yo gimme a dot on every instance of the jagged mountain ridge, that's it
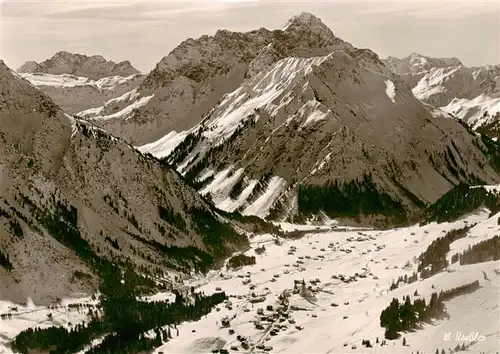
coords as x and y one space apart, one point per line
94 67
70 193
471 94
189 81
83 84
308 122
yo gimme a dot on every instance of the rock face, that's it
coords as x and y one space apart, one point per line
316 128
70 193
78 82
193 78
94 67
471 94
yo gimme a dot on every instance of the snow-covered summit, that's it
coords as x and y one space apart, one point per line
299 121
470 94
195 75
416 63
79 82
94 67
304 19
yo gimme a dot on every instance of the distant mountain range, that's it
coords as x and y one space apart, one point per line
279 122
94 67
470 94
78 82
134 188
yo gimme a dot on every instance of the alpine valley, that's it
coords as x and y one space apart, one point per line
268 191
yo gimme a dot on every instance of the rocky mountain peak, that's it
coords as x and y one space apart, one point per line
65 55
94 67
203 69
29 67
304 19
310 24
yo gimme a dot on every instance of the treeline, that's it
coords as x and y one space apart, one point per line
250 223
461 200
398 317
14 225
169 215
433 259
185 258
124 321
492 151
114 243
140 317
58 340
182 150
484 251
404 316
5 261
351 199
15 228
405 280
218 236
240 260
460 290
237 189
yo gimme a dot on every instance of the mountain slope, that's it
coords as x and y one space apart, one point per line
193 78
471 94
338 133
72 196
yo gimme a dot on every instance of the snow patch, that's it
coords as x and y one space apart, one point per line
204 175
314 111
322 164
73 124
163 147
90 112
231 205
390 90
126 97
259 93
263 204
431 82
417 60
125 113
221 185
475 112
66 80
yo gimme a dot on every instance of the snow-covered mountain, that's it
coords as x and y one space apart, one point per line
73 196
78 82
195 76
105 248
325 292
94 67
471 94
319 127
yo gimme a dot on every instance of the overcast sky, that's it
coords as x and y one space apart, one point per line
145 31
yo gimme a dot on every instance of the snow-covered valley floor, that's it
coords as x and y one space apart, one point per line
336 316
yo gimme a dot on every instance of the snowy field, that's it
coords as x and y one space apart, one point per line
334 316
67 80
68 313
315 326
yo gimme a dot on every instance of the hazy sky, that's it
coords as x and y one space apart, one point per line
145 31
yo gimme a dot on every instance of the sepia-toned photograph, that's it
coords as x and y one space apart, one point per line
249 176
